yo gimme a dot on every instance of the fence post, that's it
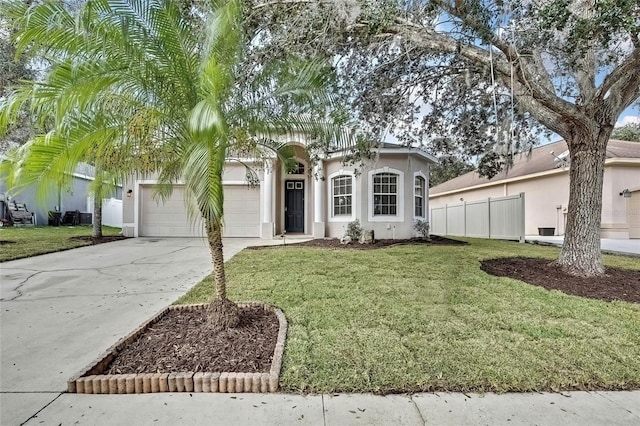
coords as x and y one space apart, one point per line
464 217
489 215
446 219
522 218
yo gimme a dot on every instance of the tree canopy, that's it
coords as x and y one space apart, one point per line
628 132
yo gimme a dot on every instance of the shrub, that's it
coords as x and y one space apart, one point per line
354 230
422 228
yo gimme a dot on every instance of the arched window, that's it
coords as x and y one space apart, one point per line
299 169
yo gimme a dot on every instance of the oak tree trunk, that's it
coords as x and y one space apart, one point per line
223 313
580 254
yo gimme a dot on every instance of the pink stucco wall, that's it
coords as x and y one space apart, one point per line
547 197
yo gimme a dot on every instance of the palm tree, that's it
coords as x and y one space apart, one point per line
136 86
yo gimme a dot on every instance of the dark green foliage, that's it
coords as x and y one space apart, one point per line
448 168
630 132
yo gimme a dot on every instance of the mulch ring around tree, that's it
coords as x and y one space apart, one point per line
334 243
617 284
181 341
93 241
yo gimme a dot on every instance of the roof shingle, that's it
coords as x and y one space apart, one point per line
538 160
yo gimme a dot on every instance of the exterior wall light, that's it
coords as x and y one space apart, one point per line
626 193
129 193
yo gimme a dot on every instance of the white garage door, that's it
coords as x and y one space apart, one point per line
169 219
241 211
634 215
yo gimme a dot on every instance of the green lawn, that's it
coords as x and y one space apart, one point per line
420 318
27 241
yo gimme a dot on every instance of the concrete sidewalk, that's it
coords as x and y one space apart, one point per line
627 247
574 408
59 311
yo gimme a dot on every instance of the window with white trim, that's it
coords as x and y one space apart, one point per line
385 194
418 196
342 195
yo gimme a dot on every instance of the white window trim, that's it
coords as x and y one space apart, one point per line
399 217
424 196
341 218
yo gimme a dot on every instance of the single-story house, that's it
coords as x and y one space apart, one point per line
386 196
543 176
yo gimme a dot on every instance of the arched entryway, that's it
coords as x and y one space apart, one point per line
294 194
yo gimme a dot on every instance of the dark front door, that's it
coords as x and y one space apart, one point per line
294 206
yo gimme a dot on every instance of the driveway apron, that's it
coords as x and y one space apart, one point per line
61 311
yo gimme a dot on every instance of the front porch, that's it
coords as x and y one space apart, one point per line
293 203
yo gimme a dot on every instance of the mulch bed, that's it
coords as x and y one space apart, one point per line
104 239
334 243
617 284
181 341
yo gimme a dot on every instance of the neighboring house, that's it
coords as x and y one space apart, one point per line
62 199
386 196
543 176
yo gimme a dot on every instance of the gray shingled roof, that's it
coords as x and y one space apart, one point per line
539 160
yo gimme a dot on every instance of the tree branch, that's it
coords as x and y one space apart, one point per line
431 40
627 68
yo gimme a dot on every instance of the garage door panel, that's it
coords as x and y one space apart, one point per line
169 218
242 211
634 215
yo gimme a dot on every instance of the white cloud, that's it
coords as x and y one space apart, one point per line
629 119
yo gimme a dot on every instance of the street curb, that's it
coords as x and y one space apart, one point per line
90 380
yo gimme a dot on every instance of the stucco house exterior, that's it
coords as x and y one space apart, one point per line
74 197
386 196
543 176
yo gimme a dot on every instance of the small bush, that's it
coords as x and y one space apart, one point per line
421 226
354 230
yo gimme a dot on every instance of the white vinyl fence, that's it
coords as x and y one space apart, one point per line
499 218
111 211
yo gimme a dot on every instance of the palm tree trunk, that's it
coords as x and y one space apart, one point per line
98 192
223 313
97 216
214 235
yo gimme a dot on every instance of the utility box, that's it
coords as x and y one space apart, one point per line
86 218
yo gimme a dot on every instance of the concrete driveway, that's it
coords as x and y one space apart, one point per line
60 311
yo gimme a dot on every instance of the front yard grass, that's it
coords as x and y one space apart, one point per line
425 318
27 241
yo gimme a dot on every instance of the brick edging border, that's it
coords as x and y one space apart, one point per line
91 380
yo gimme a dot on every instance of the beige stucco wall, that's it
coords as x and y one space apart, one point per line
615 209
400 227
391 227
547 197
